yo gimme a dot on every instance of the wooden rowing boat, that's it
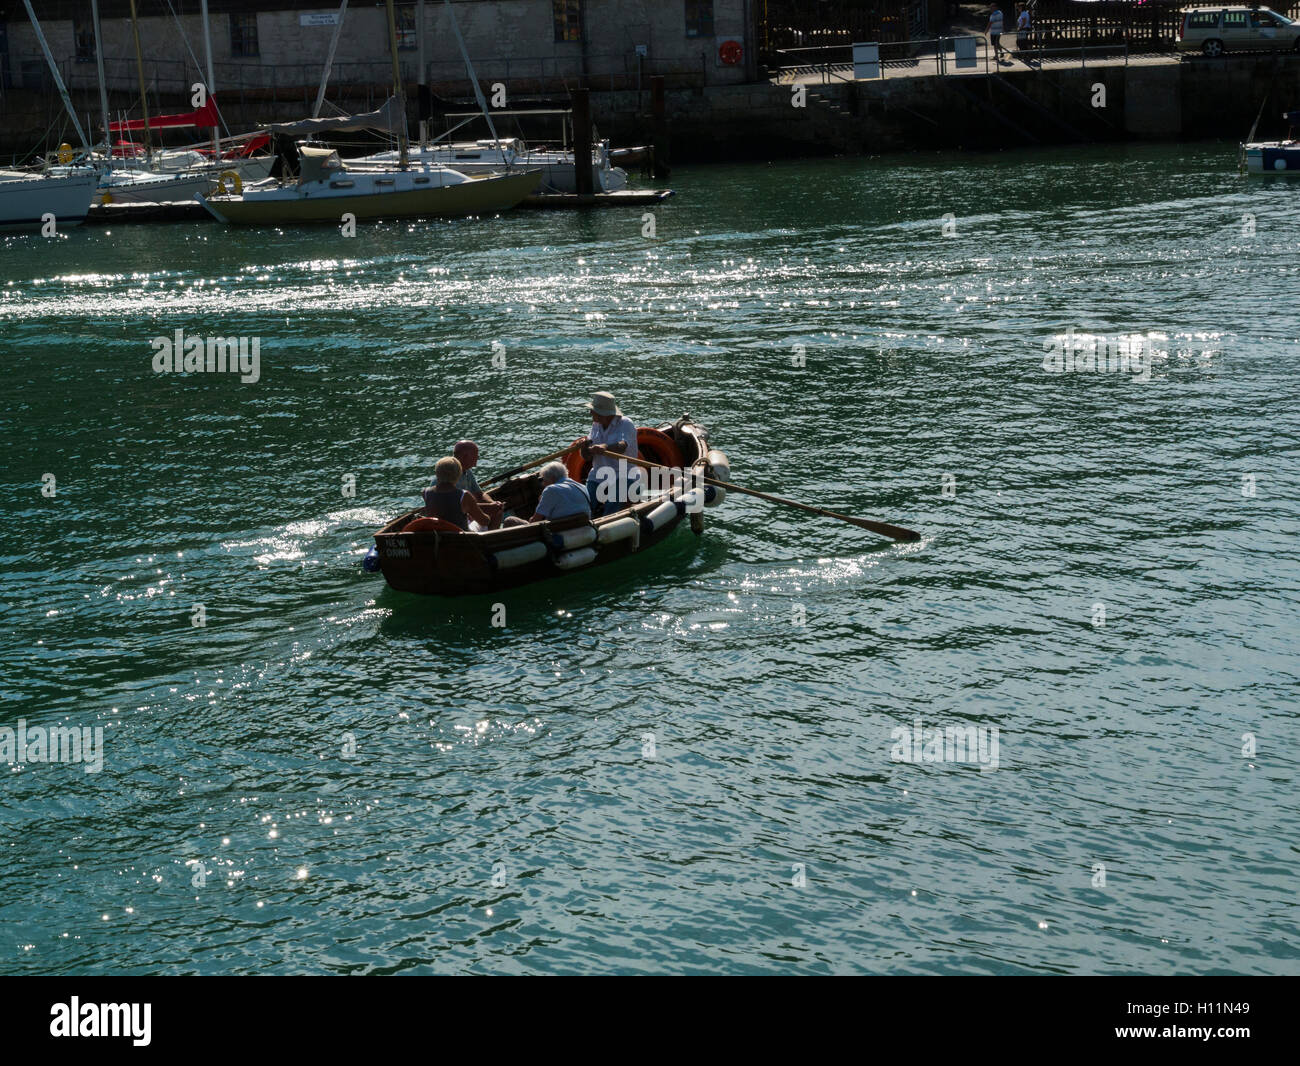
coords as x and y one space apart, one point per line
455 563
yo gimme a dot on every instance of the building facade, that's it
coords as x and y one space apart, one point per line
529 46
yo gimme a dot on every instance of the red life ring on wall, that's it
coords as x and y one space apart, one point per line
731 52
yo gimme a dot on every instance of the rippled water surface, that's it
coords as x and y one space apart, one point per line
331 777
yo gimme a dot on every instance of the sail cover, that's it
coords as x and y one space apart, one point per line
205 118
390 118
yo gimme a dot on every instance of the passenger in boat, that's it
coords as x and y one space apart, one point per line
466 453
615 432
561 497
444 500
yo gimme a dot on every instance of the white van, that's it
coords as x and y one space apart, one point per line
1215 30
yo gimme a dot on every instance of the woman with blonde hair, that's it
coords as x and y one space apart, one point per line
443 500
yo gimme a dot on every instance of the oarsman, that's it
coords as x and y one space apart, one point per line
612 483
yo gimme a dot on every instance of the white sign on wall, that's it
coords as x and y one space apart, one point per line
866 61
319 19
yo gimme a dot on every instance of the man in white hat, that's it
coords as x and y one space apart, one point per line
611 483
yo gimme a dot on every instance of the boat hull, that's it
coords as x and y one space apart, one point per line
26 201
477 196
1275 158
466 564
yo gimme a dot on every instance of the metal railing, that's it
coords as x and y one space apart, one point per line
937 56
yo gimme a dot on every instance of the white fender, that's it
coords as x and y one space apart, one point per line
661 515
620 529
574 538
717 460
693 500
519 556
573 559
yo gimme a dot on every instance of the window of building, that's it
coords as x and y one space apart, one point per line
699 18
568 19
406 36
84 32
243 35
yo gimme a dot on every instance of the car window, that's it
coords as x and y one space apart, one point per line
1203 20
1235 20
1258 18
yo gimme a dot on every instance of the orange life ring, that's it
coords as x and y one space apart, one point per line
730 52
426 524
652 445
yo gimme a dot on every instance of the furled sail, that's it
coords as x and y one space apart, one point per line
390 118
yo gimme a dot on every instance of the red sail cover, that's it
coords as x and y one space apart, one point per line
205 118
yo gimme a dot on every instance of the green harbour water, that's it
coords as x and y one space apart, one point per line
332 777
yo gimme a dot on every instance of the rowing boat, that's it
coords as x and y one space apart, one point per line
415 556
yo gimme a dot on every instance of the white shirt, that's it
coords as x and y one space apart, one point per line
620 428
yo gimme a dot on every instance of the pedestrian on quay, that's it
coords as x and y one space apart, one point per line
994 31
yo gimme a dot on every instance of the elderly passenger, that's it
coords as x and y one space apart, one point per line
466 453
561 497
444 500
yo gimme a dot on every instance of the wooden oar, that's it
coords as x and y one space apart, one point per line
535 462
884 529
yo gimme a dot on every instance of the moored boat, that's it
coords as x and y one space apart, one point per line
27 199
326 190
1275 157
416 555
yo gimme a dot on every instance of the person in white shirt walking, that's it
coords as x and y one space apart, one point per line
612 483
994 31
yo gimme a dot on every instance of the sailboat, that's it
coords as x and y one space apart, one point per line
327 189
29 200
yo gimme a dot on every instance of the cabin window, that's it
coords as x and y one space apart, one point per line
1203 20
243 36
699 18
406 35
568 19
1234 20
84 32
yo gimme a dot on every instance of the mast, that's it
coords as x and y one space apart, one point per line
58 78
139 69
473 78
422 102
212 87
329 59
402 147
103 89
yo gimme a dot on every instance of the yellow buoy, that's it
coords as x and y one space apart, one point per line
65 153
231 182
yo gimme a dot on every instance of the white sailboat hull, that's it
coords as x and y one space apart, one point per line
26 200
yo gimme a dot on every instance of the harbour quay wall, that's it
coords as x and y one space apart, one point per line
1152 100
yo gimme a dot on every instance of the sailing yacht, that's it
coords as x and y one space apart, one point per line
326 190
28 200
